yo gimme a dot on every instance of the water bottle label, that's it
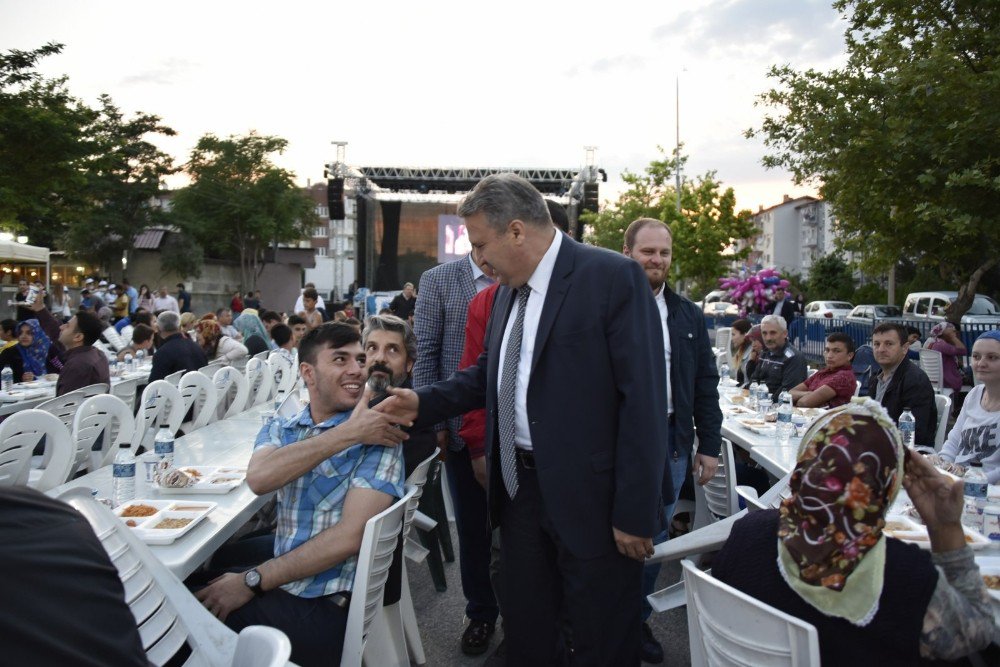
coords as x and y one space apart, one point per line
976 489
163 447
785 417
906 427
123 470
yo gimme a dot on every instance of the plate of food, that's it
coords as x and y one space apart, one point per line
201 479
160 522
907 529
989 570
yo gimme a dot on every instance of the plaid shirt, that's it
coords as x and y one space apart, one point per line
314 502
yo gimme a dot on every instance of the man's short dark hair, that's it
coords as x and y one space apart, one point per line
281 334
633 229
9 326
310 293
558 214
353 321
89 325
220 311
502 198
395 325
270 316
293 320
330 335
181 285
886 327
841 337
142 317
141 333
913 330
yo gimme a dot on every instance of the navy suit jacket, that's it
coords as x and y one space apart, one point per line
596 400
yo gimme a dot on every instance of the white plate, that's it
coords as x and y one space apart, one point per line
207 480
990 565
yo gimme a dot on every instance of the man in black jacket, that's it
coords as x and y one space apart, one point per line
692 387
782 305
902 384
177 352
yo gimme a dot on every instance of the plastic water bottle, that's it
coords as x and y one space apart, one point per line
6 378
123 476
723 374
907 427
163 447
783 427
754 389
129 363
140 357
764 403
976 485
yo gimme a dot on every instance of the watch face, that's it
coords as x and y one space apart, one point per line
252 578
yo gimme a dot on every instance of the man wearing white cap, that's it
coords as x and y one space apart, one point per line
102 290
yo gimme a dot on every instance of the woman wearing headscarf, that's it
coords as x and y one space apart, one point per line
254 334
823 557
33 355
944 338
976 434
215 344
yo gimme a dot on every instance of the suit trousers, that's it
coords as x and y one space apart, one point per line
474 537
544 584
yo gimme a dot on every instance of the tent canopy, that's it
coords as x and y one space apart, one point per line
21 252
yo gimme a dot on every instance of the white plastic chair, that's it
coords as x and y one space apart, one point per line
175 378
262 355
723 337
932 363
65 406
126 390
166 613
101 414
811 372
374 558
395 638
720 491
213 367
19 435
199 395
728 627
260 381
261 646
857 387
161 405
232 391
283 375
943 404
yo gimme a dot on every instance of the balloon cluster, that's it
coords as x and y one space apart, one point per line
753 292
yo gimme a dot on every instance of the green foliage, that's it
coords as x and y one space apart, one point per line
705 228
830 278
904 139
240 203
869 293
42 147
181 255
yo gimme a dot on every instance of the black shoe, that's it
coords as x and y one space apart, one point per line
476 638
649 649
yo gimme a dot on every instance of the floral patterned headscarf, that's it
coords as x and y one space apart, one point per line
830 543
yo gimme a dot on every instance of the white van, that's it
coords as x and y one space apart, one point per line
931 306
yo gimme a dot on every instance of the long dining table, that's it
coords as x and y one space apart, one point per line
28 395
224 443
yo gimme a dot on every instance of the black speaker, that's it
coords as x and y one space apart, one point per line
591 200
335 198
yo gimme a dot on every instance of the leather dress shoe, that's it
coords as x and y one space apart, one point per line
650 650
476 638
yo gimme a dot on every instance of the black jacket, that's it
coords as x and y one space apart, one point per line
694 378
788 310
178 353
781 370
910 388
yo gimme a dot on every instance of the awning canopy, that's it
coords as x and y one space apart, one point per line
11 251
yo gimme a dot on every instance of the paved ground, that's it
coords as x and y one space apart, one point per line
441 617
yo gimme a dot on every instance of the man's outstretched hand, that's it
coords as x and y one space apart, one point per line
401 405
375 428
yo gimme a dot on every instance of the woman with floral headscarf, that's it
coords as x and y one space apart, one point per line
254 334
33 356
944 338
823 557
215 344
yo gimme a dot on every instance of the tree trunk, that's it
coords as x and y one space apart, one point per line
967 293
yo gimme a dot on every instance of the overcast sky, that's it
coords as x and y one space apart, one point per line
441 83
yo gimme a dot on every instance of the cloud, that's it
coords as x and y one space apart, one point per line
166 74
784 30
609 64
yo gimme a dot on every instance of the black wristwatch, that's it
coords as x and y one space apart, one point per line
252 579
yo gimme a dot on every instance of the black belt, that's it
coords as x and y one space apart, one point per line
526 457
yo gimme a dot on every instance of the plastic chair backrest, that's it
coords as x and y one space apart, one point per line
723 336
261 646
166 613
932 363
20 434
260 381
857 387
198 393
65 406
720 491
213 367
161 405
282 373
943 404
126 390
728 627
175 378
377 547
865 367
232 391
262 355
101 414
416 480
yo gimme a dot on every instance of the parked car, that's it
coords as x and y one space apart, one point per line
715 304
827 309
926 306
870 313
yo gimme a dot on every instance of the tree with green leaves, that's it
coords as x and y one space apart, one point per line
830 278
43 147
904 139
239 203
124 173
703 231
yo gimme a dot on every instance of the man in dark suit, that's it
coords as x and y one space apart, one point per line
782 305
573 381
177 352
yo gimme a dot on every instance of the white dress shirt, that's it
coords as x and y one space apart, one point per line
539 284
661 304
479 279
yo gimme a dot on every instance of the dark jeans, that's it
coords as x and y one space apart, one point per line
544 583
474 537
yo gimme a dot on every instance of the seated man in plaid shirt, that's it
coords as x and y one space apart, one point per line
328 487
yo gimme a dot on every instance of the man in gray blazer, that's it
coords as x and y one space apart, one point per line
439 324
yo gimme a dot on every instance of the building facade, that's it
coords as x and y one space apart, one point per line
792 235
